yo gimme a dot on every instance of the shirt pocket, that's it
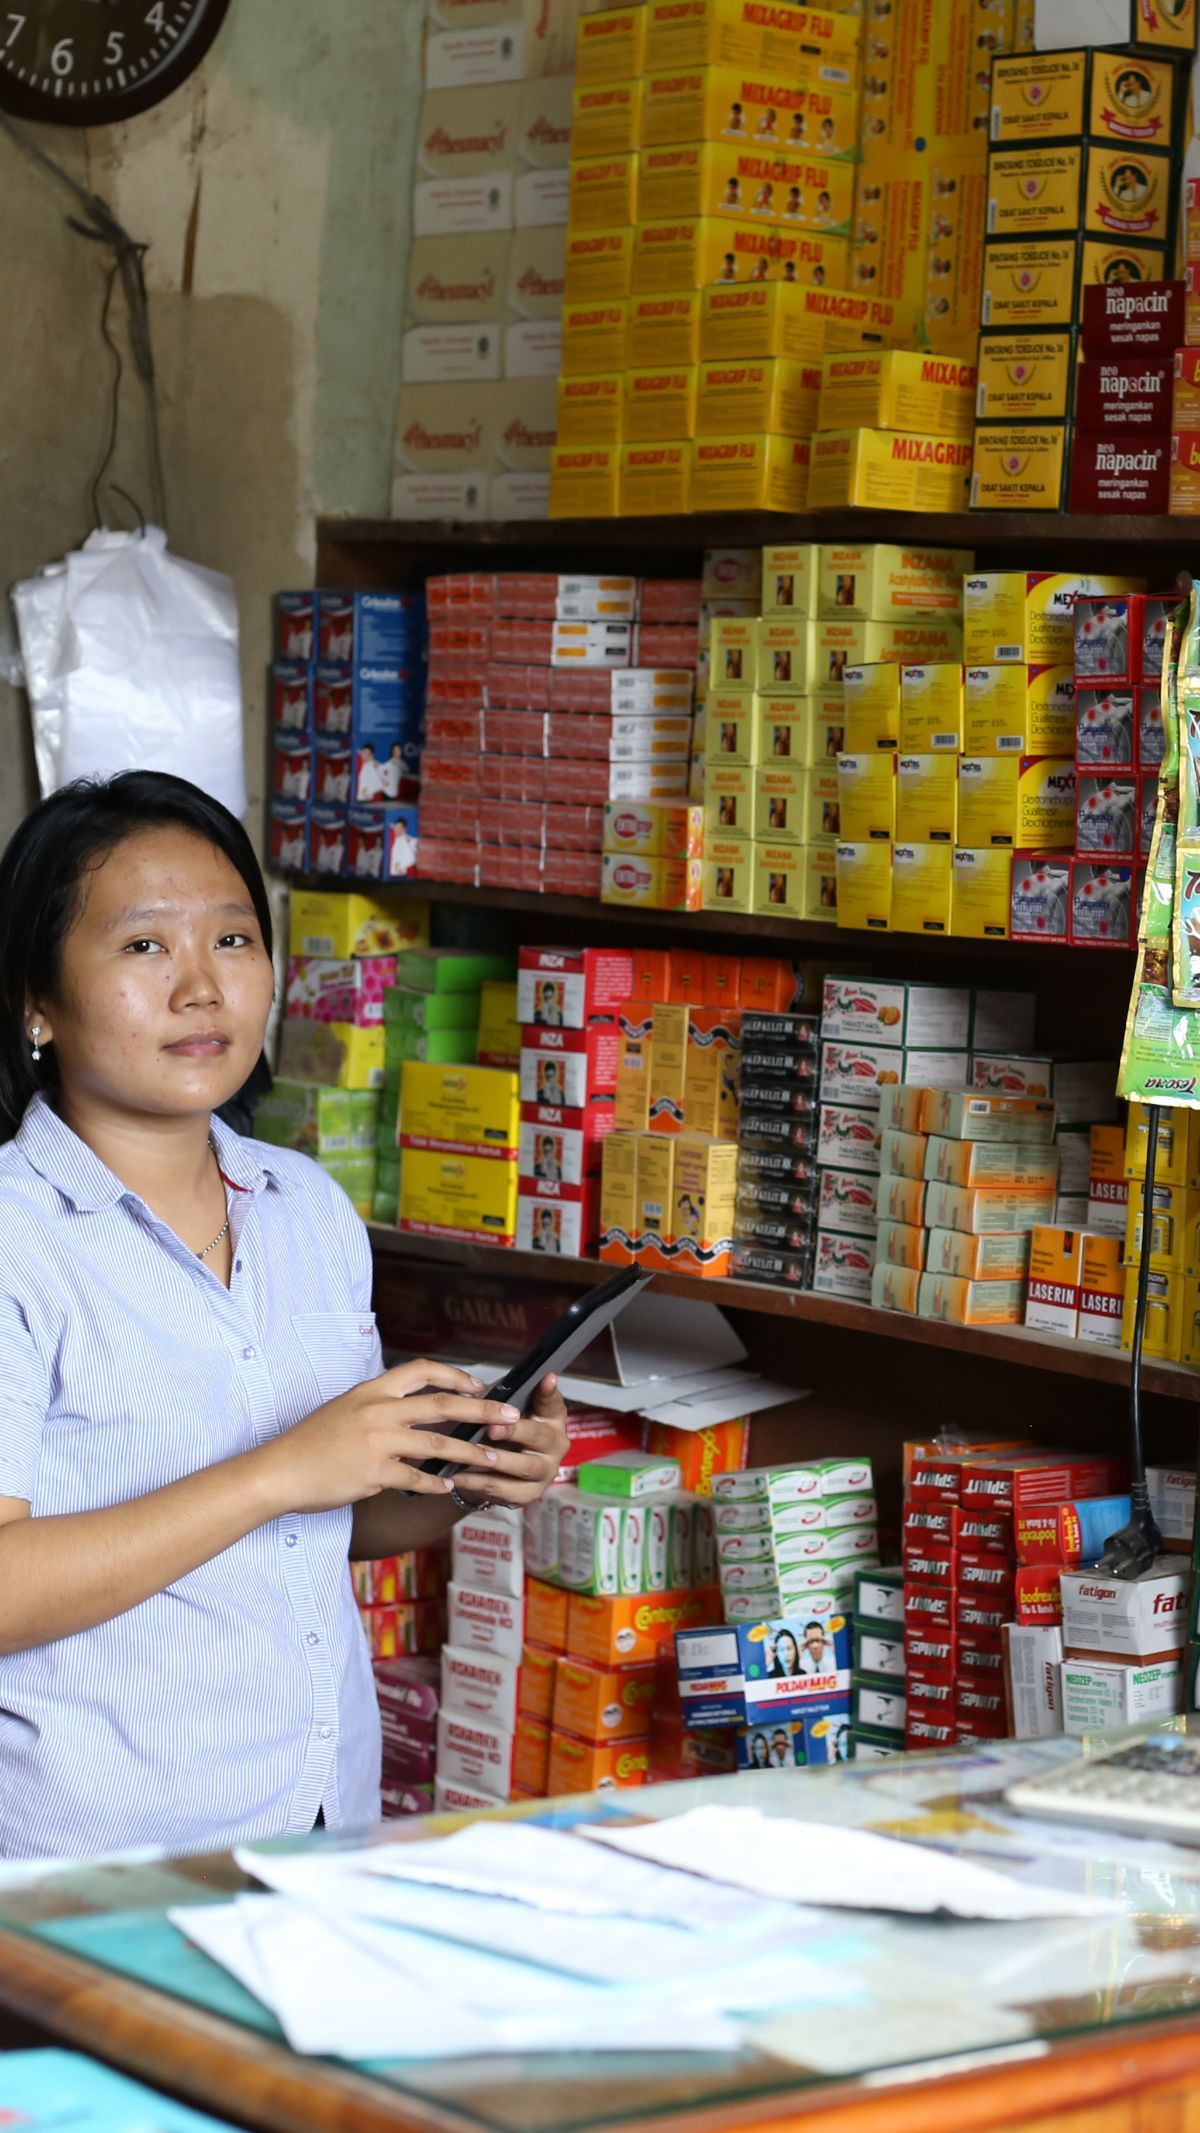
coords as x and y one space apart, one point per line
339 1347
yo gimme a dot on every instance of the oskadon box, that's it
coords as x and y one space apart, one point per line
787 1668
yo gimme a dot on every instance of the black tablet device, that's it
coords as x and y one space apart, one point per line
558 1347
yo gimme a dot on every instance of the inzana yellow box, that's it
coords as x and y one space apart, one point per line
1024 618
691 251
774 394
971 1303
598 265
603 189
889 470
1020 467
898 390
820 881
703 1203
610 46
583 484
743 33
589 409
654 479
1026 377
793 729
871 706
730 727
344 924
786 663
980 886
752 320
931 708
779 790
729 104
733 652
728 800
728 874
876 581
1025 802
659 403
443 1194
593 339
780 878
843 644
606 117
926 799
750 474
662 329
864 886
921 875
723 178
867 797
822 808
789 578
1018 710
471 1110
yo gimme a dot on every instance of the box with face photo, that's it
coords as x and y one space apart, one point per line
799 1742
787 1668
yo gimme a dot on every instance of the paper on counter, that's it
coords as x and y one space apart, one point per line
821 1863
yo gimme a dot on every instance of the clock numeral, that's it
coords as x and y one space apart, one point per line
18 23
62 58
156 16
114 50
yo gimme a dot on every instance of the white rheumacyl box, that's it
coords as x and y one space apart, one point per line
1098 1694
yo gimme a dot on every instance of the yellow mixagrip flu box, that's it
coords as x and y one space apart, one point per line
583 483
465 1196
659 403
1018 710
729 793
786 656
759 473
864 886
728 874
743 33
603 190
979 908
730 727
1026 377
866 798
789 578
593 338
898 390
693 250
590 410
889 470
820 881
598 265
611 46
871 706
737 399
662 329
606 117
1025 618
754 320
780 878
709 103
1024 802
926 799
654 479
931 708
876 581
723 178
1020 467
921 877
797 729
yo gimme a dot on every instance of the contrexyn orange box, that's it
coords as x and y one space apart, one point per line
594 1766
723 178
632 1626
598 1703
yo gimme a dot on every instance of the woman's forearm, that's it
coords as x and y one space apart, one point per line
391 1524
62 1575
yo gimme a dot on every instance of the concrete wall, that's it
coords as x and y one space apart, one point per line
273 192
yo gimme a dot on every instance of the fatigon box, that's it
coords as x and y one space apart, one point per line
786 1668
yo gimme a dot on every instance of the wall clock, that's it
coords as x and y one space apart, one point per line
96 62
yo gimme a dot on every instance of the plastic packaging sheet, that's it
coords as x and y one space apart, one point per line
131 663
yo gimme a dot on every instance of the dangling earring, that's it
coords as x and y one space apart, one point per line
35 1033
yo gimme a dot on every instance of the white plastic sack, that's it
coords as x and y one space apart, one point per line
131 663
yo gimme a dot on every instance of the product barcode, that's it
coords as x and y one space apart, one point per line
1008 651
991 218
981 403
943 740
1008 743
985 309
995 122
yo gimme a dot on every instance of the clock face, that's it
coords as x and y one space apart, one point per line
96 62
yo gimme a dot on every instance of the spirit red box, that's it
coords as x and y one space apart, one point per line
1026 1481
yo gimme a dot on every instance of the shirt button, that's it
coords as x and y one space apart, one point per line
290 1542
312 1637
237 1266
327 1733
248 1354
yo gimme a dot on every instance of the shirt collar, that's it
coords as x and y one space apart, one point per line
57 1154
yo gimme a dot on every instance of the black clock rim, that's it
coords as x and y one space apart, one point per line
112 107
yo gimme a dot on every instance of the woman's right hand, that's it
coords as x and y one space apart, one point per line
372 1438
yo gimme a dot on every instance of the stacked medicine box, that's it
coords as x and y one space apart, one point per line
775 1217
878 1682
1120 642
568 1006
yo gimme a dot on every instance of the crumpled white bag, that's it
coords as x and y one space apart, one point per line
131 663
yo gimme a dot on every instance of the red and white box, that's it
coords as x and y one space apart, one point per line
476 1685
327 839
1139 1619
291 696
485 1621
487 1552
473 1752
577 1136
289 836
564 1067
1038 1595
295 625
558 1219
568 988
1136 317
1020 1481
292 767
1102 910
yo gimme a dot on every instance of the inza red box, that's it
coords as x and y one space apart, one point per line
1143 316
570 988
562 1067
1125 393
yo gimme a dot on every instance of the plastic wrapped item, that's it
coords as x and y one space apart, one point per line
131 663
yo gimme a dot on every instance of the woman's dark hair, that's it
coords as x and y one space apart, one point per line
777 1665
42 878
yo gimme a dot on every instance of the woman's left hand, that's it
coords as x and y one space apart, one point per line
528 1453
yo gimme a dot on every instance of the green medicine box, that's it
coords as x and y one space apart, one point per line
318 1120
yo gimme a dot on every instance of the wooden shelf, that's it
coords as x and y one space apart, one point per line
1046 1352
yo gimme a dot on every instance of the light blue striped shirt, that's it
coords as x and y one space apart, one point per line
240 1700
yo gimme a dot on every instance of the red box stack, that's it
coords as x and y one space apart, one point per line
568 1003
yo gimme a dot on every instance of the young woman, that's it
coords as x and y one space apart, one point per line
196 1433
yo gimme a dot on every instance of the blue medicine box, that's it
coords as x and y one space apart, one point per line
790 1667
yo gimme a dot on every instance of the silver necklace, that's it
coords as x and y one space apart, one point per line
224 1229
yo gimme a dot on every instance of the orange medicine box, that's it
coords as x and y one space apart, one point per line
535 1683
719 1448
1102 1290
545 1615
630 1627
587 1766
1055 1272
531 1754
598 1703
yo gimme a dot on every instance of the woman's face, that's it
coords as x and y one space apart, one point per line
166 984
786 1652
